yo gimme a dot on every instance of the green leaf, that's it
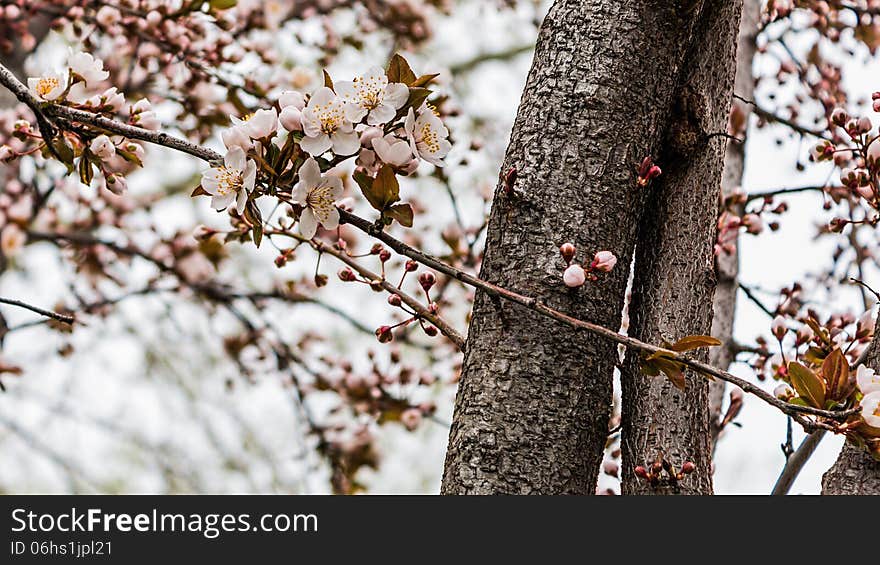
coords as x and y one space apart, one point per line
222 4
691 342
64 150
807 384
255 217
86 173
417 97
403 213
424 80
130 156
382 191
674 371
400 71
835 372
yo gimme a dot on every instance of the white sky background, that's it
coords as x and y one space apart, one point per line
110 380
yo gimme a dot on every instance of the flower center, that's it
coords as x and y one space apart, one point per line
430 138
46 85
330 115
229 181
370 91
320 201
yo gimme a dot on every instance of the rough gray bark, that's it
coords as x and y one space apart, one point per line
727 266
674 276
531 413
855 471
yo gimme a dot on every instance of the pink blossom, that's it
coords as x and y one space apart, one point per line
604 261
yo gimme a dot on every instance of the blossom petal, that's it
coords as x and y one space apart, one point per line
381 114
346 143
308 224
316 145
396 94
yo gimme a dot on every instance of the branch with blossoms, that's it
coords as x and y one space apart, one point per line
382 121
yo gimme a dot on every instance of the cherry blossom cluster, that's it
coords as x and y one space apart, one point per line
575 275
381 120
193 48
813 365
81 86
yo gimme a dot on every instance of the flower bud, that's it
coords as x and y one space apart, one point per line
394 300
116 184
346 275
839 117
384 335
604 261
411 266
427 280
567 250
783 392
430 330
574 276
641 472
688 468
384 255
778 327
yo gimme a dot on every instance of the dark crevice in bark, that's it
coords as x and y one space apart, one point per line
674 274
532 408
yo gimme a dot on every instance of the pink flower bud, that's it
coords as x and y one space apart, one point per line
839 117
783 392
688 468
864 124
346 275
116 184
574 276
753 224
383 334
411 418
291 118
394 300
427 280
604 261
804 335
411 266
641 472
778 327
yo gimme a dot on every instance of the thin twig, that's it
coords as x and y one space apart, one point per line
370 228
796 462
47 313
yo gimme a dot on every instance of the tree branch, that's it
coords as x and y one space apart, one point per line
796 412
47 313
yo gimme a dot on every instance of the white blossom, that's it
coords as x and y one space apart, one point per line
867 379
230 182
871 409
49 87
372 96
318 194
90 69
326 127
393 151
102 147
427 135
258 125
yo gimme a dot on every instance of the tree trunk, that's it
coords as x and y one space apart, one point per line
855 471
727 265
674 276
531 413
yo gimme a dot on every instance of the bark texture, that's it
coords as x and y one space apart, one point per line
727 266
855 471
531 413
674 276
